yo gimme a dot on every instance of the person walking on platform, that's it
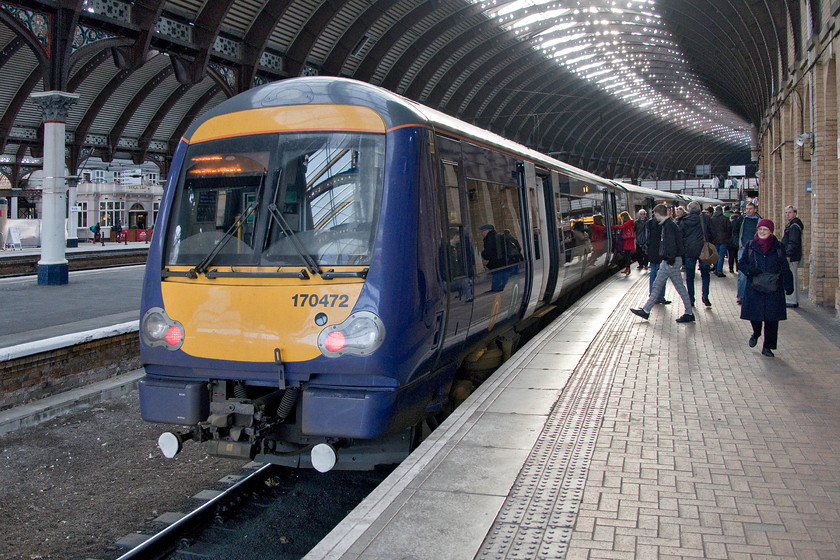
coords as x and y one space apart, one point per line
671 250
627 238
792 240
768 275
721 232
696 229
653 231
118 229
641 239
732 248
749 223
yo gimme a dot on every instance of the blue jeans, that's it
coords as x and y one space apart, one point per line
690 268
721 249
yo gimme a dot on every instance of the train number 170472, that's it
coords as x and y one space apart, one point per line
312 300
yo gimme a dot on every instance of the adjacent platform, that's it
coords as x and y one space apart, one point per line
608 436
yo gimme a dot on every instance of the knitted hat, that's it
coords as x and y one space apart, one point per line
765 222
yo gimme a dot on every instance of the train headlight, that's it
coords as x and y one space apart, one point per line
360 334
157 329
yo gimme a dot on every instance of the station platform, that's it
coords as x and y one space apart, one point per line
608 436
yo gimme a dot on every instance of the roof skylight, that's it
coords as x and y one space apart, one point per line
623 47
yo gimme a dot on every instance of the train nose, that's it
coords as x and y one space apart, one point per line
323 457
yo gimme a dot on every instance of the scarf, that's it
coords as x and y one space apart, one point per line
764 244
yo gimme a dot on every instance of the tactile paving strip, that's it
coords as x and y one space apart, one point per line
538 517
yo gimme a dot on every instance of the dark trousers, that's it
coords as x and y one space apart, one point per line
733 258
642 257
771 332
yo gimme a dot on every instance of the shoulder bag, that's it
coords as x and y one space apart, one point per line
709 254
765 282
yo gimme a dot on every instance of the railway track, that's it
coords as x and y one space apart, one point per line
276 512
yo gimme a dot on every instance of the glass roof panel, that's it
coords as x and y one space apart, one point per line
623 47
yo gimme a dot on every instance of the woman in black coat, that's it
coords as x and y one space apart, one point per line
765 253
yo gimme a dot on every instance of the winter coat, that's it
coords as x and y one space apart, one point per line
735 231
641 232
748 229
671 242
627 244
721 229
792 240
692 233
758 306
653 231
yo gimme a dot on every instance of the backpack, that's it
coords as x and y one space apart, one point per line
513 251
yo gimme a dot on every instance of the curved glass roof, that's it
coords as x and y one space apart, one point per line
625 49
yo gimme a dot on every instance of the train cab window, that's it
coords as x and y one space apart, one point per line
217 196
258 200
329 194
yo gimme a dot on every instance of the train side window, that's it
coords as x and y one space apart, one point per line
492 204
455 225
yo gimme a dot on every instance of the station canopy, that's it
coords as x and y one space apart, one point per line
626 88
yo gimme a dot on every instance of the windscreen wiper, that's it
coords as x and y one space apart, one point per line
202 266
288 232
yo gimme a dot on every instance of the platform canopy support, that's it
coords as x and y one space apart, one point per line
53 268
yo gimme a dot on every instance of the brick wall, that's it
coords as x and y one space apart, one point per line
26 379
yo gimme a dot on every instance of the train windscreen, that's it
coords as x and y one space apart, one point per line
278 200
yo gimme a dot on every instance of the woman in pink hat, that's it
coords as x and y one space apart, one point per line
768 279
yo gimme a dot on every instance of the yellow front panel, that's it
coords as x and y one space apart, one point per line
247 319
309 118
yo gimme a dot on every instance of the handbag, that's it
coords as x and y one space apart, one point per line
766 282
708 254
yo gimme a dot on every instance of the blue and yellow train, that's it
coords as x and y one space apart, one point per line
328 258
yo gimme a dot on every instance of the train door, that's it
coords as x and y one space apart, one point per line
618 204
460 282
556 244
534 183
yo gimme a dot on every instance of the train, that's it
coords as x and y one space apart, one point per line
331 260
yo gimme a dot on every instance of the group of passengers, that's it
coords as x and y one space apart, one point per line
671 243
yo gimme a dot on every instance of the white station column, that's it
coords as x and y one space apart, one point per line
52 268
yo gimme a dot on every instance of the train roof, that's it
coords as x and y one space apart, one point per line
653 193
702 199
396 111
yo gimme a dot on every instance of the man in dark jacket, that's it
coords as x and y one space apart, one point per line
749 225
792 242
653 231
734 231
695 234
641 239
671 250
721 232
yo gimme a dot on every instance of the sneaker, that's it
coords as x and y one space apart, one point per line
706 302
664 301
767 352
739 301
753 341
686 319
641 313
